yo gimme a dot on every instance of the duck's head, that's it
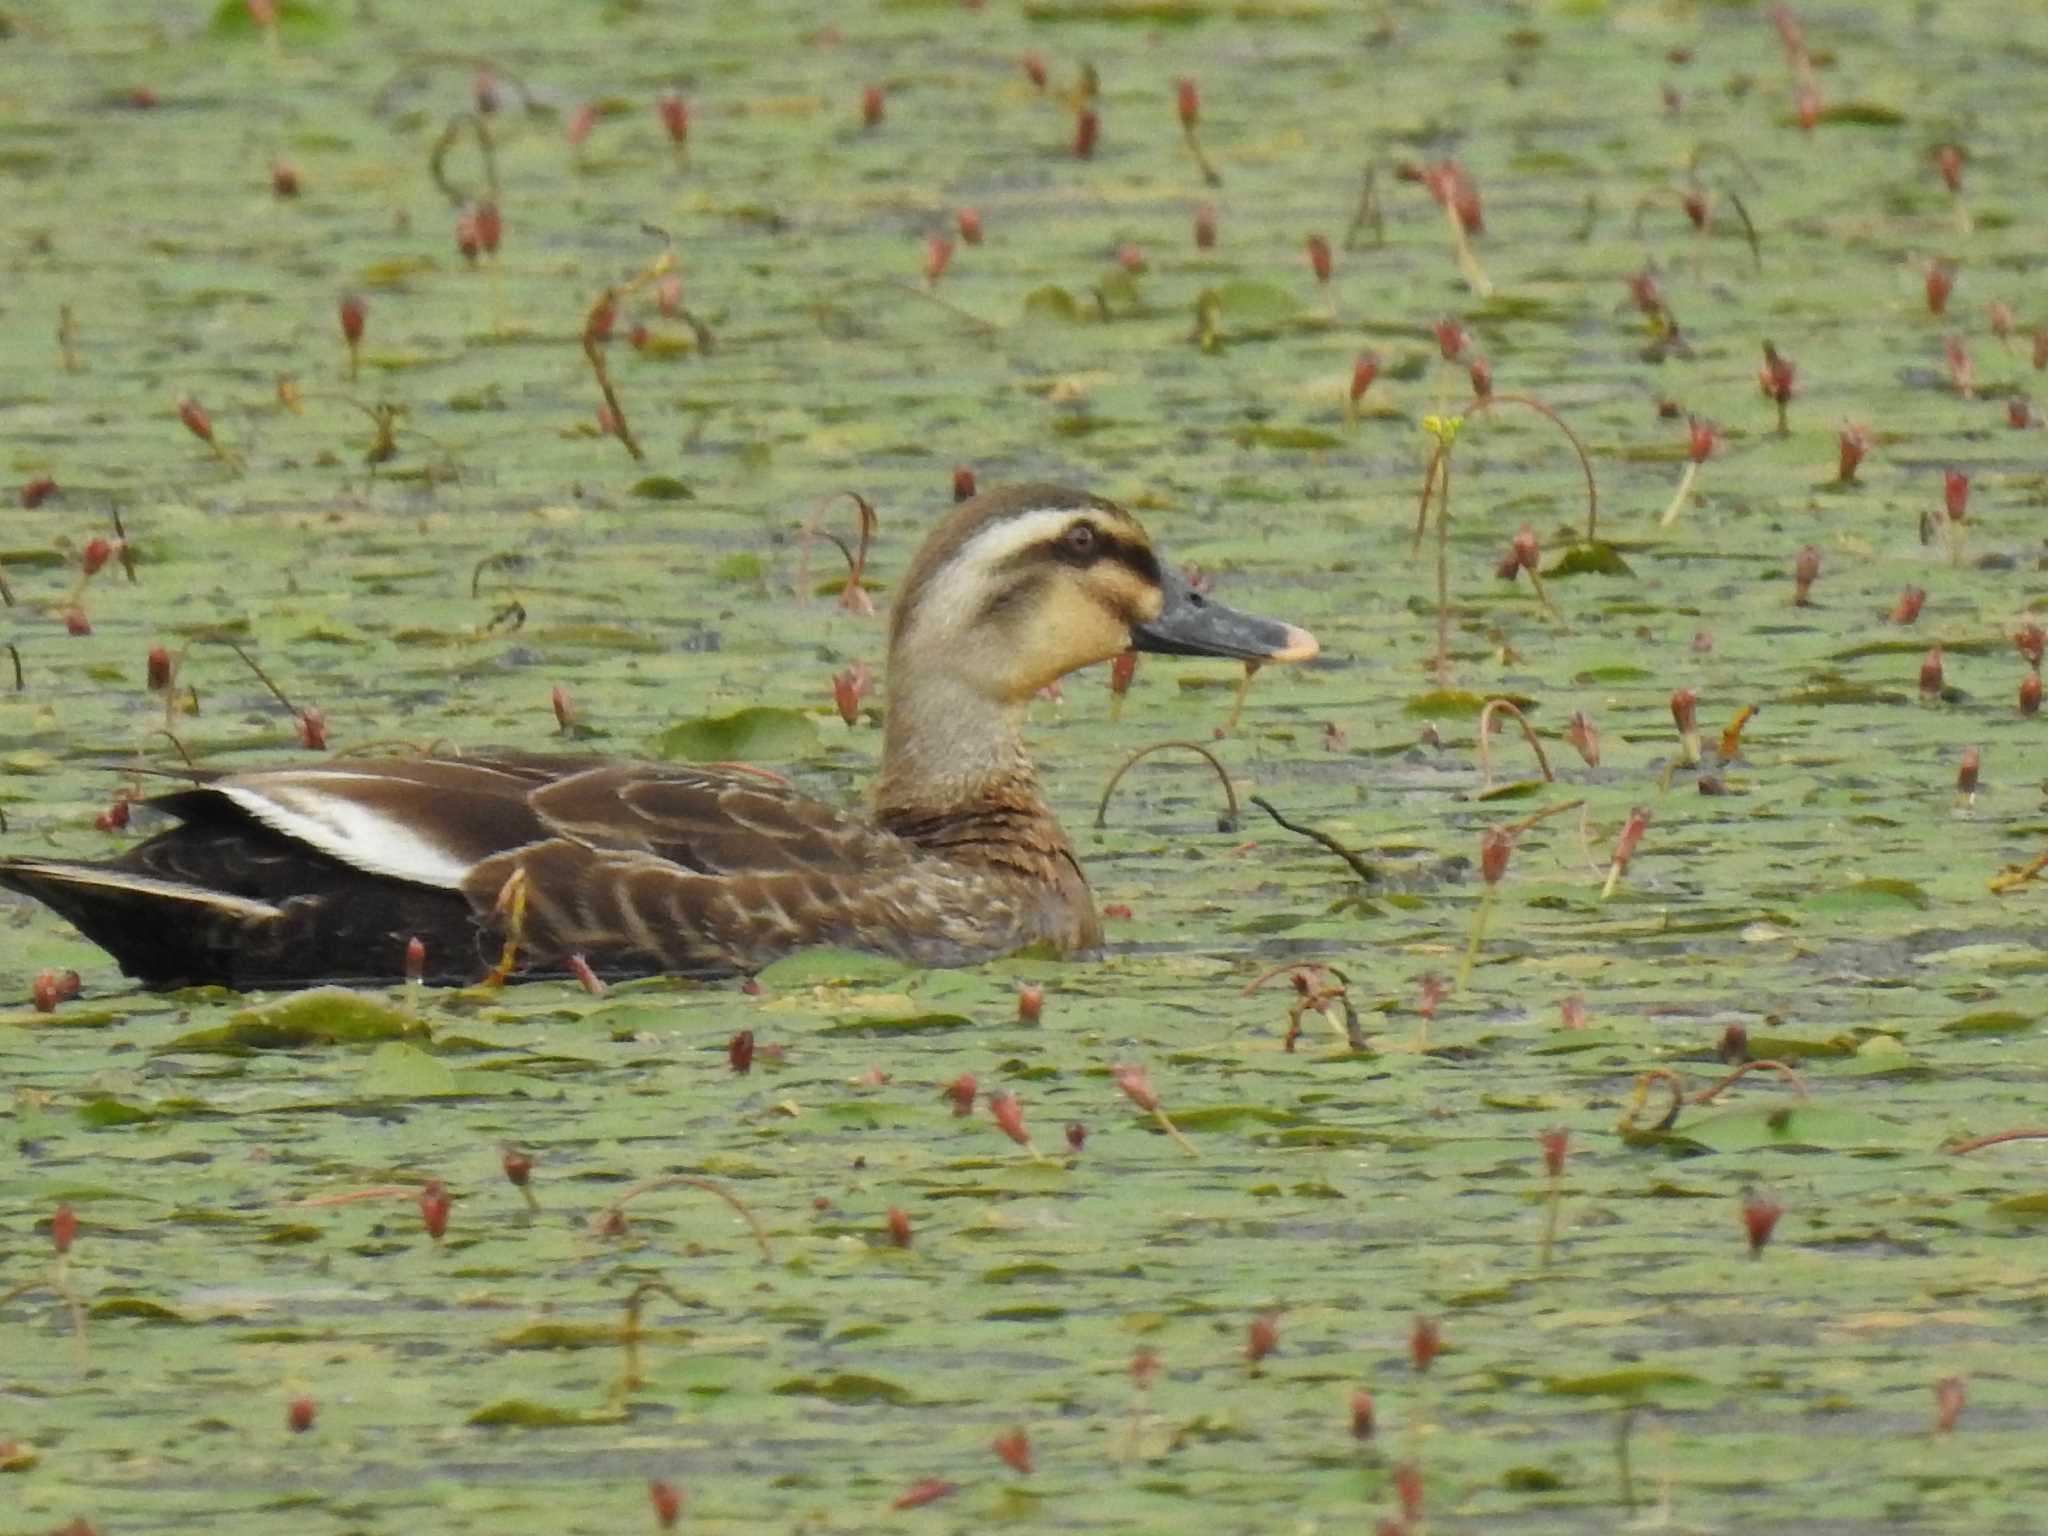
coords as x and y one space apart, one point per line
1019 586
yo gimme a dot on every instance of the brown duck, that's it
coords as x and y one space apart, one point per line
325 872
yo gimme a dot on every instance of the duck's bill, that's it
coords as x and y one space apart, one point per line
1191 624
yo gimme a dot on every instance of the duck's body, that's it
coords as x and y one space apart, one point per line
329 871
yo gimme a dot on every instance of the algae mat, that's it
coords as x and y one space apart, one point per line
425 545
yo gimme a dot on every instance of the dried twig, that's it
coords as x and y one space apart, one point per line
1359 867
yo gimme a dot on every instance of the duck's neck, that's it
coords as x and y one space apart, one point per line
949 751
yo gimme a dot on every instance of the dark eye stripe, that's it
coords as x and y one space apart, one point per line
1133 556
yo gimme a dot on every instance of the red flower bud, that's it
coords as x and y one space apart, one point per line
1205 227
97 552
467 240
1907 609
674 113
1966 772
1135 1086
1077 1135
1760 1215
1806 107
1955 494
1631 837
1777 376
415 958
970 226
434 1206
2031 640
63 1227
1481 372
1451 337
1122 669
1429 993
1425 1343
517 1164
298 1416
2030 694
1696 207
564 707
284 181
1961 371
1948 1403
1261 1337
928 1491
352 313
1643 292
1700 438
1805 571
938 254
667 1500
1494 847
312 730
1361 1414
961 1094
1852 443
1319 257
1015 1449
44 994
1940 279
1584 737
1930 674
157 675
586 978
483 90
849 685
1948 161
1734 1046
38 491
1034 70
114 818
1571 1012
2019 413
1555 1146
197 422
1086 126
1030 1002
1684 711
1009 1117
739 1052
489 227
1363 372
899 1228
75 621
581 121
1187 102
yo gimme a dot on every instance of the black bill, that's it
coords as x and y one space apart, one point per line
1191 624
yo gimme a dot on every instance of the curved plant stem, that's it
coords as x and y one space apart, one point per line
1359 867
1578 447
1791 1075
616 1210
1672 1081
1229 789
1486 731
1995 1139
2019 874
856 562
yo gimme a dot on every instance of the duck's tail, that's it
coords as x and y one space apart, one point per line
160 931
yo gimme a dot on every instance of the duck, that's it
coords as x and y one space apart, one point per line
512 864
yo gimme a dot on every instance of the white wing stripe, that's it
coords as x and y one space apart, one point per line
359 835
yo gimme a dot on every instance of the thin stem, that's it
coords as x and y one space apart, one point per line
1486 732
616 1209
1229 789
1692 472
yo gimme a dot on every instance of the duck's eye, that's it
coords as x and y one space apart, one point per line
1079 539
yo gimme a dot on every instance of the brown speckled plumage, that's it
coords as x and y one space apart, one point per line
329 870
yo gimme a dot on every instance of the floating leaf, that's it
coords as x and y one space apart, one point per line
321 1016
746 735
1880 893
849 1387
